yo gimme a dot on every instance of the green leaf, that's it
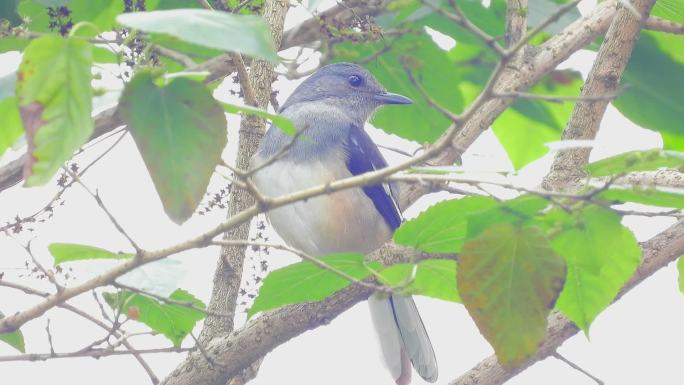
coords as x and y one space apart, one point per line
540 10
509 279
54 93
13 44
8 11
636 161
517 211
11 123
14 339
175 322
69 252
102 13
601 255
489 19
672 10
653 99
248 34
429 64
181 143
680 267
434 278
526 127
103 55
53 3
283 123
307 282
442 227
644 195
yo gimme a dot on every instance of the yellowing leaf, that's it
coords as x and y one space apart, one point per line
54 93
509 279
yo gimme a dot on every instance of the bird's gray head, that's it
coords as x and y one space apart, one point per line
348 87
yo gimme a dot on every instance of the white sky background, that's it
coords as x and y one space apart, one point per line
635 341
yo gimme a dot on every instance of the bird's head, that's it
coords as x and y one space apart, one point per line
348 87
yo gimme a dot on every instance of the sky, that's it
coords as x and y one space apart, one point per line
634 341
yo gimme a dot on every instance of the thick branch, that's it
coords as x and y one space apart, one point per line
567 169
516 21
228 274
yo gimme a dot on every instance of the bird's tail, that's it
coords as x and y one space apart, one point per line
403 338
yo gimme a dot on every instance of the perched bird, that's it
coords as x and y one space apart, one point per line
332 106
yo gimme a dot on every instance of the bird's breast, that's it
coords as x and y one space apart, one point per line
343 221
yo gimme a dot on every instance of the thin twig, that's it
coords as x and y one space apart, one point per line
278 154
95 353
655 23
577 367
204 353
536 30
243 77
428 98
169 301
459 18
49 337
81 313
555 98
111 217
174 55
316 261
50 275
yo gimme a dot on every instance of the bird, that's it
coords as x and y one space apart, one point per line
330 110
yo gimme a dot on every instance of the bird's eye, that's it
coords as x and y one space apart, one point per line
355 80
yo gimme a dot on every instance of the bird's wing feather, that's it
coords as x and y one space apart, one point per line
414 337
364 156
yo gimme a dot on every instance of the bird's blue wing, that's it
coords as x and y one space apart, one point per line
364 156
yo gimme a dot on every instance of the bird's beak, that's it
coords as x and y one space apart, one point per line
390 98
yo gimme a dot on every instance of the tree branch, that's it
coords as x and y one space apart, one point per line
516 21
567 169
77 311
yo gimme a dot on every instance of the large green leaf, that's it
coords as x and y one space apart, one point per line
54 93
13 44
509 279
434 278
636 161
307 282
101 13
175 322
220 30
69 252
181 142
653 99
528 125
669 9
430 66
442 227
644 195
11 123
14 339
601 255
8 11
